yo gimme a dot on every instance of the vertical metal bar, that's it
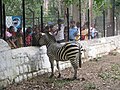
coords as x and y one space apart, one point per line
80 63
38 21
1 18
58 21
80 18
23 6
33 14
116 31
33 19
4 22
41 18
68 22
104 23
88 25
113 8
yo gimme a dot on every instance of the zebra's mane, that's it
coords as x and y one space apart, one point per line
51 37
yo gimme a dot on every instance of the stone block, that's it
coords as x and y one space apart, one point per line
25 68
20 77
29 75
28 68
21 69
17 70
2 76
17 80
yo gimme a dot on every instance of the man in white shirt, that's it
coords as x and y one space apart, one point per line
93 32
60 32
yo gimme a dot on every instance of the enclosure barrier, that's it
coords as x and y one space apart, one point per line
27 62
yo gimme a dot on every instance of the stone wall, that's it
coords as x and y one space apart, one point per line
23 63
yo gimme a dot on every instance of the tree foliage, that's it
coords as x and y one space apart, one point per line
14 7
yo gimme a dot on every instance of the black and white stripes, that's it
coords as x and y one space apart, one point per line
60 52
68 51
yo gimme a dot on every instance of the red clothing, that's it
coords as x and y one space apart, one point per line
14 34
83 37
28 40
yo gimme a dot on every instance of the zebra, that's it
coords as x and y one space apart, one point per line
59 52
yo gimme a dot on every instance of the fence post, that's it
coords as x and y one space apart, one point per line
38 21
4 20
113 8
88 24
1 18
58 21
80 63
23 6
80 17
68 22
33 16
104 22
41 18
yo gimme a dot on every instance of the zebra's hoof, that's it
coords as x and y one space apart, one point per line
83 79
59 76
51 76
75 78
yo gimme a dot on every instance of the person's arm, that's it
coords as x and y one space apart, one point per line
76 32
12 43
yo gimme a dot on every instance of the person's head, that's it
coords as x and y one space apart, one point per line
55 27
19 30
28 30
60 21
52 28
78 24
11 29
72 23
93 25
85 25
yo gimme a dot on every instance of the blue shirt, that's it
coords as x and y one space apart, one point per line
73 33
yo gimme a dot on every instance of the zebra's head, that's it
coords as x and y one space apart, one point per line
44 39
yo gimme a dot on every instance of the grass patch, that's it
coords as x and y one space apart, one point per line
104 75
55 82
115 71
61 83
90 86
115 67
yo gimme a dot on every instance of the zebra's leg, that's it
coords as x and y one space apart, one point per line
75 66
58 69
52 67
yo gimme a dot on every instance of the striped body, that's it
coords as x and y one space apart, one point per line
63 52
60 52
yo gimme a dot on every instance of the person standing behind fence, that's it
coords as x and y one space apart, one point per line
19 36
65 34
93 32
28 37
36 30
9 39
78 28
12 31
60 31
73 32
84 32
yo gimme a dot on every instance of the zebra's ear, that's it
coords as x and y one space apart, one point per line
50 36
42 33
48 33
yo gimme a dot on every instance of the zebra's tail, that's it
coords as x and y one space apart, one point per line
80 61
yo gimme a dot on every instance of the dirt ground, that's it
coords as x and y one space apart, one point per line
100 74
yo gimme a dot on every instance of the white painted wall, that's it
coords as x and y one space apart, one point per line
23 63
